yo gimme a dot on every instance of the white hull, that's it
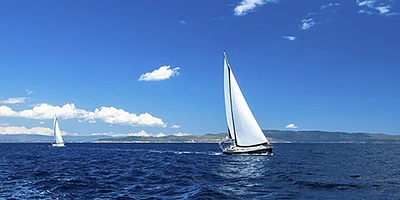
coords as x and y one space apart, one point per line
58 145
248 150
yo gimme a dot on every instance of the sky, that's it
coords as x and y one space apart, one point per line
155 67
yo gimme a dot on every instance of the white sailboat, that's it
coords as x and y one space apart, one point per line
58 140
244 133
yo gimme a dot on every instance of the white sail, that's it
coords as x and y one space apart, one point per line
227 96
240 119
57 132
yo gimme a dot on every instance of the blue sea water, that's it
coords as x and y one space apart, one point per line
198 171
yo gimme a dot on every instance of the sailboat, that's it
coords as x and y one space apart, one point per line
58 140
244 134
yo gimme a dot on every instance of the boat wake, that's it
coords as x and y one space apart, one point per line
211 153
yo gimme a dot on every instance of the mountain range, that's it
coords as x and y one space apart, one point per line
275 136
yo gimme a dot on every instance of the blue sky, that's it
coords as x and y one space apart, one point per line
155 67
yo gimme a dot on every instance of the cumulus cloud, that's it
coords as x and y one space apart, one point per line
379 7
109 115
291 126
246 6
16 100
113 115
141 133
160 135
289 37
163 73
181 134
23 130
6 111
175 126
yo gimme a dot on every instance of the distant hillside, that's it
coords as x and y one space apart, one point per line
207 138
327 137
275 136
24 138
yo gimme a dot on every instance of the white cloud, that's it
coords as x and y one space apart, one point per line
47 111
111 134
365 12
181 134
41 122
183 22
16 100
363 3
109 115
290 37
160 135
383 9
23 130
246 6
307 23
379 7
324 14
29 92
113 115
6 111
141 133
331 7
392 14
163 73
291 126
103 133
175 126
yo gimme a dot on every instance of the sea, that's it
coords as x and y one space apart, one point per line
198 171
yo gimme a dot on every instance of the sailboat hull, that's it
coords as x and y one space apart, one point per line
58 145
261 149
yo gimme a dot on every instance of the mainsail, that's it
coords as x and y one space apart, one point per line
57 132
242 126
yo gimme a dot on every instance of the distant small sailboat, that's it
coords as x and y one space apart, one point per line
58 140
244 134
